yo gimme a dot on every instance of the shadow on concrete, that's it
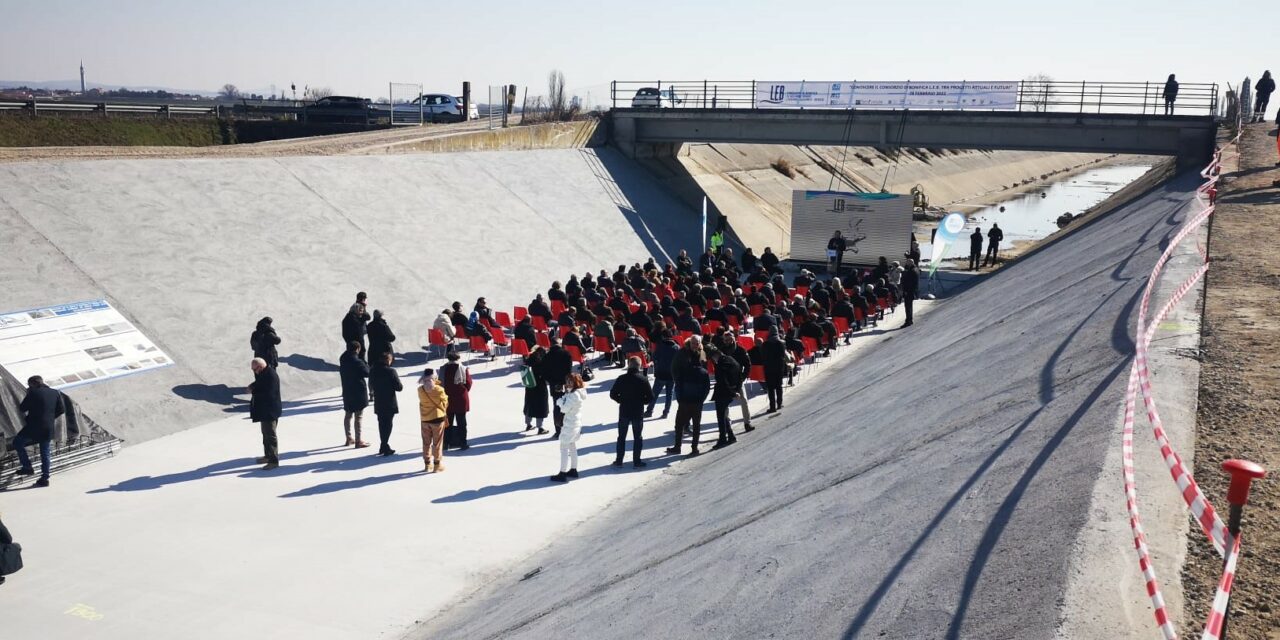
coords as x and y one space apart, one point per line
509 440
228 467
212 393
309 363
544 482
663 223
334 487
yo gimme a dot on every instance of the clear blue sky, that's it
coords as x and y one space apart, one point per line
358 47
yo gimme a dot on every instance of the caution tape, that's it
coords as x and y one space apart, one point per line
1140 384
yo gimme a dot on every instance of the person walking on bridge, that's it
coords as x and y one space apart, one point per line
1170 94
265 409
994 236
975 248
40 408
1265 87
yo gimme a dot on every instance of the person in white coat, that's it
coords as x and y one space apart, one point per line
570 405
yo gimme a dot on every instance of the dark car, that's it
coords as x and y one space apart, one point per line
346 109
342 102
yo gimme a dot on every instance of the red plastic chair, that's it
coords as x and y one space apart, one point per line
885 304
503 319
557 308
501 339
810 346
539 323
644 358
601 344
643 333
802 291
747 342
684 336
543 340
519 348
710 327
711 368
479 344
697 312
521 313
575 354
435 338
858 315
757 310
763 334
757 373
842 325
619 335
735 323
564 331
460 332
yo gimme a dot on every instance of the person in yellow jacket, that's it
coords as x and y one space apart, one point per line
433 406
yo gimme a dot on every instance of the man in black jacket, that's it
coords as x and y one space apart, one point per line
774 357
355 326
691 392
384 382
994 236
41 407
729 346
556 367
265 409
728 380
632 393
664 355
910 287
355 391
836 247
975 248
263 341
380 337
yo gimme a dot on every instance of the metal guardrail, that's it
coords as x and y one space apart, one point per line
36 107
1035 96
62 458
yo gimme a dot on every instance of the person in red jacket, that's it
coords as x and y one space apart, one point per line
457 385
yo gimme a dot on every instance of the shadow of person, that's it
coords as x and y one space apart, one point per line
213 393
309 363
227 467
343 485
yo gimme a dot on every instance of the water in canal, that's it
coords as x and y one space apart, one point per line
1034 214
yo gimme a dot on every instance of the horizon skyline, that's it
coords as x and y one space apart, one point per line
521 46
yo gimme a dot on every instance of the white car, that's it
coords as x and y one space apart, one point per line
441 107
647 98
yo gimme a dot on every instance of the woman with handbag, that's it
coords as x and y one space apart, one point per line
433 407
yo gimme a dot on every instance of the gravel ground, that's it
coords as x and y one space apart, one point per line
1239 380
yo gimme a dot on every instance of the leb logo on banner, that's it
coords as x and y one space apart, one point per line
777 92
838 205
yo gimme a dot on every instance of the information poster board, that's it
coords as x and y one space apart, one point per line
74 344
873 225
791 94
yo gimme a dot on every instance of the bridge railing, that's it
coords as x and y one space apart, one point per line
1146 97
36 107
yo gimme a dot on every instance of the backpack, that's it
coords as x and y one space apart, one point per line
587 374
527 378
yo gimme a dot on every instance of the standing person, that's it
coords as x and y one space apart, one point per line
632 392
770 261
663 356
556 367
384 383
570 405
975 248
1170 94
774 355
994 236
730 346
1264 89
355 326
717 238
836 247
41 407
728 381
914 252
433 411
265 408
910 287
264 341
380 337
534 380
457 385
355 391
693 389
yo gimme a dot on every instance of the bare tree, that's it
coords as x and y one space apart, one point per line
1037 90
229 91
556 101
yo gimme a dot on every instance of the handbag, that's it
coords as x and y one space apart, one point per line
10 558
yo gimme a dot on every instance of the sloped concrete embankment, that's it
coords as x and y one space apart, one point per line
195 251
932 487
750 185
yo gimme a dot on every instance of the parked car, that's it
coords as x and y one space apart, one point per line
652 98
345 109
441 107
343 102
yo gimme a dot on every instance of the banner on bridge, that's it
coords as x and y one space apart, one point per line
873 225
785 94
74 344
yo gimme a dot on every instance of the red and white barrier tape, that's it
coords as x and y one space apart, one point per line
1140 382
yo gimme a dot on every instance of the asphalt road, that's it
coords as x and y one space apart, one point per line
933 490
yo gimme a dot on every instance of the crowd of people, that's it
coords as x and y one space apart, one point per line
702 330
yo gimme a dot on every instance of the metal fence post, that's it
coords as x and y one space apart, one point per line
1082 82
704 94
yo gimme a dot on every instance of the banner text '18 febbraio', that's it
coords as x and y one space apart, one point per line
75 344
791 94
873 225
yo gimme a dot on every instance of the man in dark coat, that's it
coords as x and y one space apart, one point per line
380 337
691 392
769 260
556 368
910 287
265 409
264 341
384 382
836 247
975 248
994 236
774 356
354 328
355 392
41 407
664 354
729 345
632 393
728 380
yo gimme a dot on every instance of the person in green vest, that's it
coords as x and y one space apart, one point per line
717 237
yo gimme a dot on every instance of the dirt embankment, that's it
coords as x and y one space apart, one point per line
1239 402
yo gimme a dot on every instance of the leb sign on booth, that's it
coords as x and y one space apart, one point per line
873 225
